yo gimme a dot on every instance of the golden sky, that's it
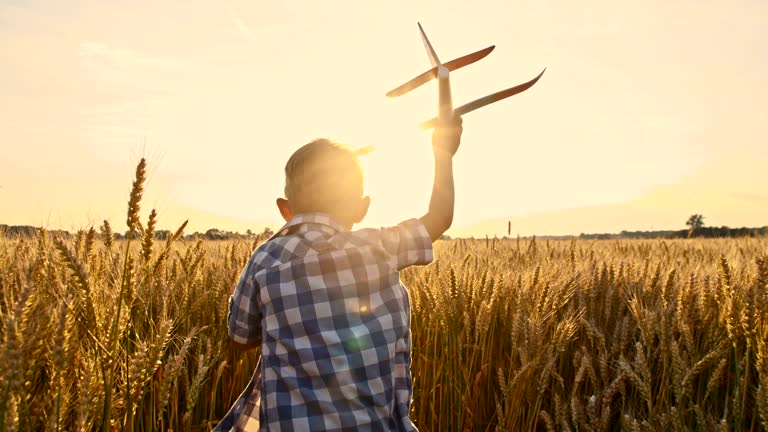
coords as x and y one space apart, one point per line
648 112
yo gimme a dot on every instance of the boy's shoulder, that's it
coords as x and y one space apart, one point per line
301 245
279 250
407 243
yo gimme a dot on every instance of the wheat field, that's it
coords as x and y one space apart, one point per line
637 335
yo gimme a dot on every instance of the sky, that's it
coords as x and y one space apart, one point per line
647 113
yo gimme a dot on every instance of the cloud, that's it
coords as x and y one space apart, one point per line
240 25
119 57
751 198
126 76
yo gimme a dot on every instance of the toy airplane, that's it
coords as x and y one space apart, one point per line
441 71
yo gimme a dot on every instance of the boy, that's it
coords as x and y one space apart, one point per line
326 305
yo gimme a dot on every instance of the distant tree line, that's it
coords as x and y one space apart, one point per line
26 231
162 235
703 232
696 228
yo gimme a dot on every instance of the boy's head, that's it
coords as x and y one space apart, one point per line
324 177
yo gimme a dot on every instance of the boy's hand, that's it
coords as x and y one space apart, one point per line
446 137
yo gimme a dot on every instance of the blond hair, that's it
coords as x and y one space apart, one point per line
323 176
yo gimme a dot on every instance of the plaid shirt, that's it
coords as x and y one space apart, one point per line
333 320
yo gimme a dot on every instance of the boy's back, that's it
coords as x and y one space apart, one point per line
325 304
336 347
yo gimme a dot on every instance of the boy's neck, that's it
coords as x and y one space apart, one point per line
344 222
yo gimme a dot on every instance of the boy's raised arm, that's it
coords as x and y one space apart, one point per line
445 141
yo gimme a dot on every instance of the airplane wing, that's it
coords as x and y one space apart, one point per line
487 100
432 73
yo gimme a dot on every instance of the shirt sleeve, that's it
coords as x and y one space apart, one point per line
244 318
408 242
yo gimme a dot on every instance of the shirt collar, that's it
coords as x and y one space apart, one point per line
311 218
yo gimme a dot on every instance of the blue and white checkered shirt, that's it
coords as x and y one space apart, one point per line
333 320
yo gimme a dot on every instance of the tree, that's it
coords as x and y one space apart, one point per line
215 234
162 234
696 221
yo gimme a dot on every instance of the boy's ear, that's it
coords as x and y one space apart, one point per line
365 203
285 209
